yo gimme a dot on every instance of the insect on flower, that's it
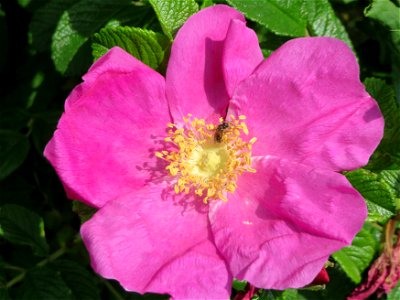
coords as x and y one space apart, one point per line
220 131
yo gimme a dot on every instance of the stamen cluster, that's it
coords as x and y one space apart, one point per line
202 164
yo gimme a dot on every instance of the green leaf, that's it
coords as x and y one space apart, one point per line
384 95
292 294
22 226
388 153
44 22
288 294
44 283
322 21
392 178
294 18
84 211
173 13
78 280
395 293
266 52
380 200
282 17
344 1
206 3
14 148
388 14
70 47
356 258
24 3
141 43
135 16
270 295
4 295
239 285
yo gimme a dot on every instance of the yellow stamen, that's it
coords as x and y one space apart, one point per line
207 166
245 130
253 140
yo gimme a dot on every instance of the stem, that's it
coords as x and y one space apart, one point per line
16 279
52 257
15 268
390 228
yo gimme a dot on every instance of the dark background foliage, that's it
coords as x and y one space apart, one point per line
45 48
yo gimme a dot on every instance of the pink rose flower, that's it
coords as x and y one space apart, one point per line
185 206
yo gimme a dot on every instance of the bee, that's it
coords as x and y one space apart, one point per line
220 131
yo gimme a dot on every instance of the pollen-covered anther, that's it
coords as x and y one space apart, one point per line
207 159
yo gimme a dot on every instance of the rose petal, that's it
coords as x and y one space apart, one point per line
150 242
282 223
241 54
305 103
195 81
105 141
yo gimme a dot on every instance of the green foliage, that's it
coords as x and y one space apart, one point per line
14 148
173 13
79 281
392 178
83 211
22 226
206 3
395 293
356 258
44 283
387 13
322 21
281 17
239 285
294 18
143 44
289 294
45 20
381 202
388 152
70 41
4 294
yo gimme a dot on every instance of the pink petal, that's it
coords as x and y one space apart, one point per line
241 54
105 141
283 222
195 80
305 103
150 242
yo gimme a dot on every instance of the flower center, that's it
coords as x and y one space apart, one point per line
207 159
